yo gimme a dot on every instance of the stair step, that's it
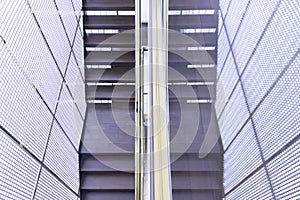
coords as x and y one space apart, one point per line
196 180
192 162
108 57
120 40
107 194
180 72
197 194
184 92
192 57
110 92
105 163
188 57
115 74
126 39
108 5
107 181
176 75
190 92
193 4
192 21
109 22
129 4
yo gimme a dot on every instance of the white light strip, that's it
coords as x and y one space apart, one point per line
99 84
101 31
198 30
98 48
201 66
182 83
126 13
200 83
110 84
124 84
191 12
127 49
101 13
211 48
174 12
198 12
110 13
192 83
194 101
98 66
100 101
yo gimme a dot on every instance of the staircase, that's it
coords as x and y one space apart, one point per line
107 149
193 178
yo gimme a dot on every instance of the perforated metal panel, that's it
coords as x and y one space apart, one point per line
284 173
240 162
49 17
50 188
228 77
28 48
78 51
21 107
273 53
256 187
37 159
76 85
224 4
260 153
61 157
251 30
233 117
236 11
68 16
69 117
223 50
18 170
277 119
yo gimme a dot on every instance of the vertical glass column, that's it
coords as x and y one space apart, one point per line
159 100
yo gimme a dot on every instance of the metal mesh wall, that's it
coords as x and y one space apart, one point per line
42 99
258 98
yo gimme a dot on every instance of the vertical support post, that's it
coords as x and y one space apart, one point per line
139 105
159 98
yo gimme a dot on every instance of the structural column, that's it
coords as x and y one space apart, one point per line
159 100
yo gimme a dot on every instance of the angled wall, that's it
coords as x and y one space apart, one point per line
258 98
42 98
